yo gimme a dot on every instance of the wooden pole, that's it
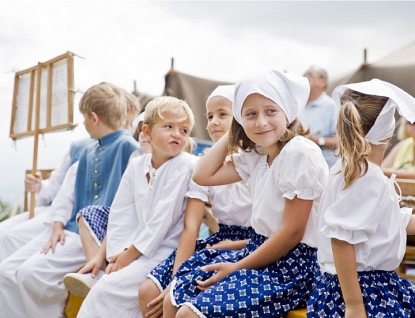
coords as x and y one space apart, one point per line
36 136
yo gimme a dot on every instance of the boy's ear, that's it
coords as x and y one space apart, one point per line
146 132
95 118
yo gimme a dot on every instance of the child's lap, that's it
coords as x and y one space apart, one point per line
383 293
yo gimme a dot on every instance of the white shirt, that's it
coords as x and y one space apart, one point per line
299 170
367 215
62 205
51 186
231 203
149 215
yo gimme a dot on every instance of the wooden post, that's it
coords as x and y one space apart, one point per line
36 136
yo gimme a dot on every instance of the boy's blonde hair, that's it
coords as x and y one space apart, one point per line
133 104
108 102
357 115
159 105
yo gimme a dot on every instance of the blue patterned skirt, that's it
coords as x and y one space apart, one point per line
268 292
385 294
96 220
162 274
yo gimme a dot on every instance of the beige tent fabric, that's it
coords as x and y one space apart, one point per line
397 68
194 91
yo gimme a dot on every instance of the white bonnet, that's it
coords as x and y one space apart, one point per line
226 91
137 120
289 91
384 125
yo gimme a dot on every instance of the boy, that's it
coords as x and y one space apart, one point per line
19 230
146 217
32 281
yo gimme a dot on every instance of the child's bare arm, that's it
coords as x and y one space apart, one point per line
212 169
345 262
192 221
410 229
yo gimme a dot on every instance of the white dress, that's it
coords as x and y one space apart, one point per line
299 170
367 215
149 215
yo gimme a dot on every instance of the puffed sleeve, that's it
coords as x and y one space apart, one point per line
197 191
302 170
244 163
357 210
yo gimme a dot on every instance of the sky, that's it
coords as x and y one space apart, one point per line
123 42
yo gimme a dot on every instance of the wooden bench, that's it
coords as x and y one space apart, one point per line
297 313
408 200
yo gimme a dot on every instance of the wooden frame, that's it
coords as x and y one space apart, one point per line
37 87
43 102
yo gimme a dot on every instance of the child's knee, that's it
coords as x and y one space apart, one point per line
185 312
148 290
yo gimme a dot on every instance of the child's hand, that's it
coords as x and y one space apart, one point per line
33 183
93 266
123 259
222 270
58 235
156 304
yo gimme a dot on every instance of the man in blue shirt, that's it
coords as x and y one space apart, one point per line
320 114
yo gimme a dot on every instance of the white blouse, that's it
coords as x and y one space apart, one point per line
231 203
367 215
149 214
299 170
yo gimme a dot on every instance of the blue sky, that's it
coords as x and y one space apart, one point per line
126 41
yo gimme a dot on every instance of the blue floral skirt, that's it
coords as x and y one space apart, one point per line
385 294
96 220
267 292
162 274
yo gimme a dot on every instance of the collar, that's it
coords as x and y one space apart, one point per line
317 102
110 138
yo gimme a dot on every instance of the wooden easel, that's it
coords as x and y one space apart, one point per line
23 114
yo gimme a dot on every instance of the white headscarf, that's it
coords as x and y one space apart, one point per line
384 125
289 91
226 91
137 120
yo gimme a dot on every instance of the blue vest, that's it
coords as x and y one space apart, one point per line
78 146
101 166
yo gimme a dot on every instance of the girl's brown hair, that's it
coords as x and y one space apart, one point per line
239 140
357 115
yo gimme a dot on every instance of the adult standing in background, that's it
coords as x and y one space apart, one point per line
320 114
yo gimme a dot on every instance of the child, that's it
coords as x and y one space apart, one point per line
146 217
32 281
19 230
231 205
278 267
362 231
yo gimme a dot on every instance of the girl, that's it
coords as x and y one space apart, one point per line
231 205
278 267
362 231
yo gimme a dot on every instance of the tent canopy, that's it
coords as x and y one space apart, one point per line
194 91
397 68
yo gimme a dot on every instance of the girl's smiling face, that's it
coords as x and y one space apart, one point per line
219 116
264 122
